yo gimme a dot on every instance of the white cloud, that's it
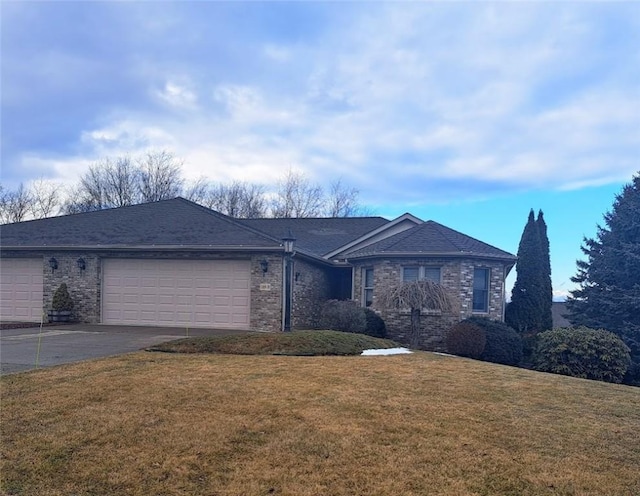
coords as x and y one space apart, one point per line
177 95
516 95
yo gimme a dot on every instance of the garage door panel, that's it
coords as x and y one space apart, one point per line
199 293
21 289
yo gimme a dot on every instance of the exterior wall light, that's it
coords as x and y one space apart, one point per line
287 241
264 265
81 264
53 263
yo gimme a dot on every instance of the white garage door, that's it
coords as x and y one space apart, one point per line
194 293
21 282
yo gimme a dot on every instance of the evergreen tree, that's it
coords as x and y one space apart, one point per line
530 309
609 293
524 313
546 318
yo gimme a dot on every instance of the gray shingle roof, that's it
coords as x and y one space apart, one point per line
318 236
431 238
176 222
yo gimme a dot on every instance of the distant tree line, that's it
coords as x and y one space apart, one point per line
124 180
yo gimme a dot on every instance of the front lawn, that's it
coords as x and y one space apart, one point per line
298 343
419 424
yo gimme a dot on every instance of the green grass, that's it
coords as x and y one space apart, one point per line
298 343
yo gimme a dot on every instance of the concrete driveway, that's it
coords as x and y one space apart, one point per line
76 342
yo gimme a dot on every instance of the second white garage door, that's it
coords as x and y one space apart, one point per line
194 293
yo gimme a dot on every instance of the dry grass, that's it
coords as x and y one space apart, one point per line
298 343
422 424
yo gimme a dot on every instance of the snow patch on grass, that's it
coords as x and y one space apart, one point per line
386 351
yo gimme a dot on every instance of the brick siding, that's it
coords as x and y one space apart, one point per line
456 276
311 287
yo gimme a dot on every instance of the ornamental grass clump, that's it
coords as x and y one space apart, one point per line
582 352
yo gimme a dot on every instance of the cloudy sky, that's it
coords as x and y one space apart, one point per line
465 113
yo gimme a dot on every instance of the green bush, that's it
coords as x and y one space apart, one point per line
503 345
348 316
61 299
466 339
582 352
343 315
375 325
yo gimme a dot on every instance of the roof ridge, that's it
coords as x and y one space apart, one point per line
311 218
227 218
86 212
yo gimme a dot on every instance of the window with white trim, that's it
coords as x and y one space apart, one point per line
481 290
416 273
367 287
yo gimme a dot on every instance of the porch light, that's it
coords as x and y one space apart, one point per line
53 263
287 241
264 265
81 264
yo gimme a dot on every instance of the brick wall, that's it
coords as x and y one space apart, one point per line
266 293
456 275
311 287
83 285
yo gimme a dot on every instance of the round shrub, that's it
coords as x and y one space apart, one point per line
466 339
375 325
342 315
503 345
582 352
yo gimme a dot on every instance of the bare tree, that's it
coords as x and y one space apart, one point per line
15 205
198 191
45 198
416 296
239 199
296 196
122 181
342 201
108 183
160 176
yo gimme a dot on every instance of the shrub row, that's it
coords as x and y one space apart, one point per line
488 340
578 352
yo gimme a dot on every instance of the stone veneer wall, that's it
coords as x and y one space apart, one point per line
85 286
310 289
456 275
266 301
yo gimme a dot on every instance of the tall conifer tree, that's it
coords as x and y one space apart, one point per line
546 297
609 293
524 313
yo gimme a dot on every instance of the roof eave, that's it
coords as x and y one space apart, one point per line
504 258
142 248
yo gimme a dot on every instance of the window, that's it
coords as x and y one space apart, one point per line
367 287
481 290
421 273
